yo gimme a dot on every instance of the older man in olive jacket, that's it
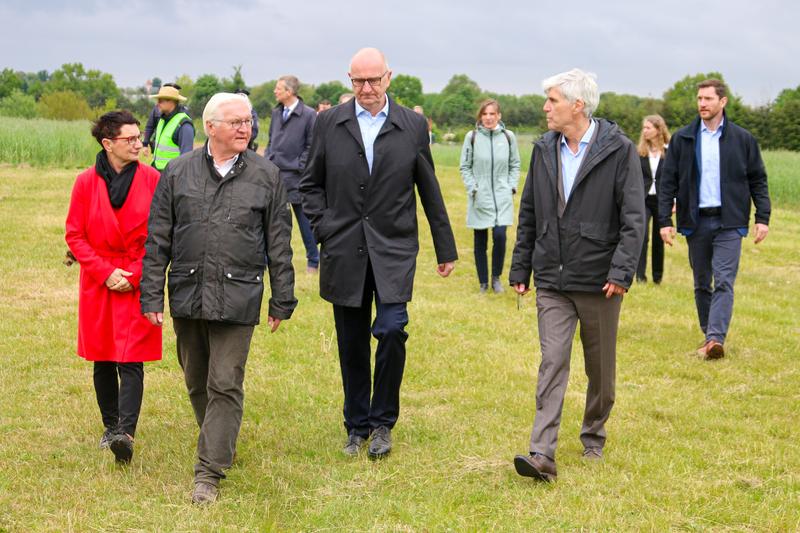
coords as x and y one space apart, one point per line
218 218
368 157
581 227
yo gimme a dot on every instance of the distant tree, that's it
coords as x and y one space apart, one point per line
157 83
628 111
407 90
187 85
205 87
18 104
330 91
95 86
457 102
785 120
64 105
236 82
10 81
262 98
306 92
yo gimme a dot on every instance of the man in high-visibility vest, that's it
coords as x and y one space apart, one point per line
174 132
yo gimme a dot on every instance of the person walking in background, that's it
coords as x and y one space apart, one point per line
368 157
581 227
490 170
218 219
653 143
174 130
152 120
323 105
290 133
712 171
105 230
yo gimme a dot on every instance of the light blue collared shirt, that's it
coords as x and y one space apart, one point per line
570 163
710 195
370 127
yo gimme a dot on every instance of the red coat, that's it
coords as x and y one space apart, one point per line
110 324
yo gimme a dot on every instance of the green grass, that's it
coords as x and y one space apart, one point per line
692 445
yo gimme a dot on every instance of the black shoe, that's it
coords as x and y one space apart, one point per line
105 440
122 447
381 443
593 453
484 287
354 444
204 493
497 286
536 466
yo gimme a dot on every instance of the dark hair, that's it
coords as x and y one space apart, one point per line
242 90
326 102
109 125
172 85
719 86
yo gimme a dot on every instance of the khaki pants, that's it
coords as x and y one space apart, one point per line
558 315
213 356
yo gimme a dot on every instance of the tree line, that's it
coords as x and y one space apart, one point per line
73 92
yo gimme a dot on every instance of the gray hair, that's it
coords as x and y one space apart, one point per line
291 83
576 85
215 102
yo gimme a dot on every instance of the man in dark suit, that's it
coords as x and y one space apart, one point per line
713 169
367 157
580 232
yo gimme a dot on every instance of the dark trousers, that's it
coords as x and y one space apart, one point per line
119 388
361 415
213 357
714 253
558 314
498 252
312 253
651 212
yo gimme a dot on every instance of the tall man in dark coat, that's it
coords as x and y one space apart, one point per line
367 157
713 169
290 133
581 227
218 218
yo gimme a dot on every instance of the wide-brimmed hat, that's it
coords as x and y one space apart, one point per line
168 93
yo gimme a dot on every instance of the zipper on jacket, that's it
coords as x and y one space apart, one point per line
494 196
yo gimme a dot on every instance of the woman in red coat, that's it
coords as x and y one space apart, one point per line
106 230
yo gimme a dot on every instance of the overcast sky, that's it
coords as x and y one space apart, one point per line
506 46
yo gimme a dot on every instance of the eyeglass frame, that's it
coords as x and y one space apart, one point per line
373 82
231 123
135 138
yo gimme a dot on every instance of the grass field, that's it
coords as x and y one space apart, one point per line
692 445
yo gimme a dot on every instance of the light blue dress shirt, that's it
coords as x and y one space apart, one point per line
370 127
570 163
710 195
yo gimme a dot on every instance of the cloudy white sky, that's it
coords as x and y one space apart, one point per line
506 46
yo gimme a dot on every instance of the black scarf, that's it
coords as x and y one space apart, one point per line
118 184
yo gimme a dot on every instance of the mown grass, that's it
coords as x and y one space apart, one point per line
692 445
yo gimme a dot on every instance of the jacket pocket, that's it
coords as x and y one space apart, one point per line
182 286
247 204
596 248
242 290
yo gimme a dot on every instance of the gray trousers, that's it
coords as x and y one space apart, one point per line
213 356
714 251
558 315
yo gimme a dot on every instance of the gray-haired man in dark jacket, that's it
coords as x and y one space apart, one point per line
218 218
581 227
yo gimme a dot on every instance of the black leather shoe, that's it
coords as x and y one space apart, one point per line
381 443
122 447
353 445
536 466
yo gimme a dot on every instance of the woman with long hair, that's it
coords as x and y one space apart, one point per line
653 143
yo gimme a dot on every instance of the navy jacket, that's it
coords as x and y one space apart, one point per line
742 177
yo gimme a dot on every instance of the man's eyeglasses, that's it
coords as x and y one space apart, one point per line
373 82
237 123
133 139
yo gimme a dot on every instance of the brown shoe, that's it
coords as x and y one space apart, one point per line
714 350
701 350
536 466
204 493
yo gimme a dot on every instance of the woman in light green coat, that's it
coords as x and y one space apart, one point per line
490 170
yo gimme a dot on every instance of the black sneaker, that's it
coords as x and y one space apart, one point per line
381 443
105 440
122 447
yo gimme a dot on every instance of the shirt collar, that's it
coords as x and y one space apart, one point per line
360 110
704 128
293 106
586 136
231 160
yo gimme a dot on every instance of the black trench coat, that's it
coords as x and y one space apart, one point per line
359 217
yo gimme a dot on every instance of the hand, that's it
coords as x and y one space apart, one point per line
118 282
761 231
612 288
667 235
156 319
273 323
444 269
521 288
